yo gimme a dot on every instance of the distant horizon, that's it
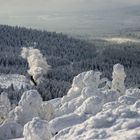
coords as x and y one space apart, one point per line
76 17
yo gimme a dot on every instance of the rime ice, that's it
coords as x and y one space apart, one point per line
38 65
37 129
118 76
90 110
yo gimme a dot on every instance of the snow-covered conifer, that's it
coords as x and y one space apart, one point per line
37 63
5 106
118 77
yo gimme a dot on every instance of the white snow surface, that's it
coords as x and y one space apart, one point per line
30 106
91 111
37 129
88 112
10 129
122 40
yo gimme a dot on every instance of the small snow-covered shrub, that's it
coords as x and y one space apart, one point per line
37 129
29 106
118 76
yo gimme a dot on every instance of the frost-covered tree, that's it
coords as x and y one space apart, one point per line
63 53
29 106
118 76
38 65
5 106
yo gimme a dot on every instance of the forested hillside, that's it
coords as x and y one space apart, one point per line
67 57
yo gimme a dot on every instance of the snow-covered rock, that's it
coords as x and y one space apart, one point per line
10 129
37 129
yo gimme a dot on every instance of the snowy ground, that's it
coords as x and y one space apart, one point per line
93 109
18 139
17 80
121 40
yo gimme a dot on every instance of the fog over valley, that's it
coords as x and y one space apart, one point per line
88 18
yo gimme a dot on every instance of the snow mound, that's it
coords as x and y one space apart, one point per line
30 106
37 129
10 129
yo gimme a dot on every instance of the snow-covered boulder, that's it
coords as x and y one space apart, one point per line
10 129
37 129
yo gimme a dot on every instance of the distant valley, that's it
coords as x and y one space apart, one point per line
88 24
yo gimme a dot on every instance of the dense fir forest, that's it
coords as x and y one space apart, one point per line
67 57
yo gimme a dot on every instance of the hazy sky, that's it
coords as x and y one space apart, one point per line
17 6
